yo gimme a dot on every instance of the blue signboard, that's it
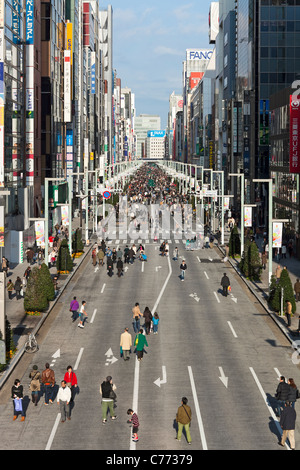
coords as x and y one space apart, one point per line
69 137
29 21
156 133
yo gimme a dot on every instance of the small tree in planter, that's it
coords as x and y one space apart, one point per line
234 243
47 282
64 262
281 287
77 243
35 299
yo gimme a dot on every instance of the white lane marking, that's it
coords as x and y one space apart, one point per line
78 358
231 327
217 297
135 399
53 432
266 402
93 316
103 287
143 264
206 275
197 408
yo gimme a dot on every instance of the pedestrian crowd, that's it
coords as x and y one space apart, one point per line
286 395
44 384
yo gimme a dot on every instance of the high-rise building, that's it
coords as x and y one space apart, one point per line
143 124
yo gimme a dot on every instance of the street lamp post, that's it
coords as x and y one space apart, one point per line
242 176
270 222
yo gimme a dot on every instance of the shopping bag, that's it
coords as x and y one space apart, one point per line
229 289
18 404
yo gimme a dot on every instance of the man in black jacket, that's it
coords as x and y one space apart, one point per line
225 283
282 394
288 424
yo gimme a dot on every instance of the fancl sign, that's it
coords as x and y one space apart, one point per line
202 54
156 134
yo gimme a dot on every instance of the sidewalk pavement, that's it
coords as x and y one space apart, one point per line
261 289
22 324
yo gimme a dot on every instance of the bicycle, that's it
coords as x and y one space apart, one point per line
31 344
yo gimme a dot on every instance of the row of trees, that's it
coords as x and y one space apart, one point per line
250 265
40 288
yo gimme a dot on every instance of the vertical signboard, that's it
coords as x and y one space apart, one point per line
294 134
67 86
93 73
29 92
247 216
2 54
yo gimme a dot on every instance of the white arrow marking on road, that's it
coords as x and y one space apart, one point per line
112 360
157 268
96 269
195 296
56 354
158 382
223 379
126 269
233 298
210 259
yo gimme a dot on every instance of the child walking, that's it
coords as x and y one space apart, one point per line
134 420
155 321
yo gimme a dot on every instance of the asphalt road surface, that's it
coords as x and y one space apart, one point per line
223 354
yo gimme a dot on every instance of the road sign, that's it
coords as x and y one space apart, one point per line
106 195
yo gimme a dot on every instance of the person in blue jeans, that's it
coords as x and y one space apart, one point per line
155 321
183 268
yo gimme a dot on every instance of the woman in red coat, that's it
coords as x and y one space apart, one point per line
71 379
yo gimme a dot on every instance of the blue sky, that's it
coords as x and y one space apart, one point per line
149 44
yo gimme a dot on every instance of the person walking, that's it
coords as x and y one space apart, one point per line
18 287
82 315
74 307
107 390
288 424
71 381
100 256
264 259
17 397
120 267
125 344
137 314
140 342
288 312
48 381
63 399
282 393
293 392
35 384
148 317
175 254
134 420
183 268
10 287
225 283
110 266
155 321
183 419
4 265
297 290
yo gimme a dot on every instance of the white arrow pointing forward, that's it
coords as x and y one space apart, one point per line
223 379
158 382
233 298
112 360
96 269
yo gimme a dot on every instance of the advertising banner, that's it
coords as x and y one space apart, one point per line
65 215
226 203
39 227
29 21
93 73
277 234
294 134
247 216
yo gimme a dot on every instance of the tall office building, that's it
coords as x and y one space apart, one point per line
143 124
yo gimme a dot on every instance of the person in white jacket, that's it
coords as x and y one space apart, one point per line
125 344
63 399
